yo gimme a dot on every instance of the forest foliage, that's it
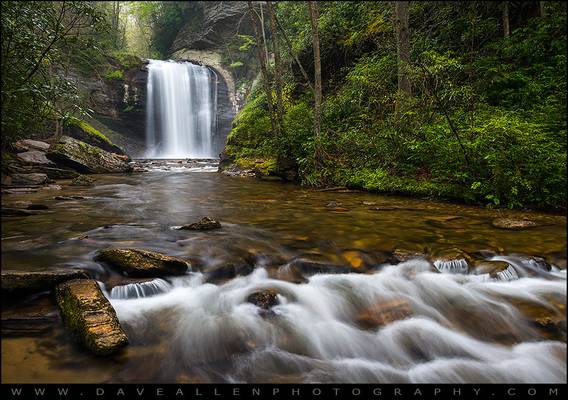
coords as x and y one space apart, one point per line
486 121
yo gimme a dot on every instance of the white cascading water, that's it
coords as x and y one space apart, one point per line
313 334
180 110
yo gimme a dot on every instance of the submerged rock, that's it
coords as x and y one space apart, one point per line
509 223
143 263
384 313
32 319
85 158
65 198
16 212
37 281
90 317
309 267
204 224
83 180
265 299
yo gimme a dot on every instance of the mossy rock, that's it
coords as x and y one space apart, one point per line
265 299
85 132
143 263
204 224
88 314
83 180
88 159
510 223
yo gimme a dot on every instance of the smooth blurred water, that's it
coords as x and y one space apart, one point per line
180 110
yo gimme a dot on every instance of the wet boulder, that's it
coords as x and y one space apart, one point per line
85 158
310 267
265 299
88 314
83 180
452 261
143 263
226 271
499 270
204 224
21 282
383 313
403 255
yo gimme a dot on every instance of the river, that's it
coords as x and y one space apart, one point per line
450 324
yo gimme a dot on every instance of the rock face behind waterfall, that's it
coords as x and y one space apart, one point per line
89 315
143 263
86 158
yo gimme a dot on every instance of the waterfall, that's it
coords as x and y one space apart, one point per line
180 110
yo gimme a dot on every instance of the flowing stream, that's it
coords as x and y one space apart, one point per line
181 110
480 305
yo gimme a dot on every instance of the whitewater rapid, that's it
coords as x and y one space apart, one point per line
461 329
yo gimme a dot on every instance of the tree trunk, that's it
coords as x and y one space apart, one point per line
403 46
263 33
506 28
541 10
312 6
291 50
277 64
261 46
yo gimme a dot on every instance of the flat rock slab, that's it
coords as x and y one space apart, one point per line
29 179
143 263
34 157
88 314
31 319
29 144
37 281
